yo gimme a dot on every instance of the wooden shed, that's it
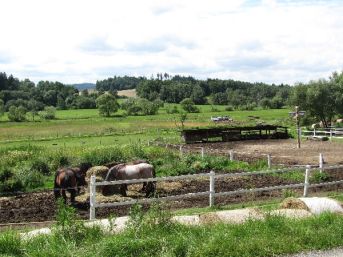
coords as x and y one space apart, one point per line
226 134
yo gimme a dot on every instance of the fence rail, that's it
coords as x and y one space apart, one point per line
330 132
211 193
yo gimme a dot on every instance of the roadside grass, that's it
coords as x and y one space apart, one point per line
153 234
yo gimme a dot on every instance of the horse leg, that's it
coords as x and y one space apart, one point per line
64 196
72 195
123 189
144 187
57 193
150 189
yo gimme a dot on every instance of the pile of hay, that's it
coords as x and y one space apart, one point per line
99 171
293 203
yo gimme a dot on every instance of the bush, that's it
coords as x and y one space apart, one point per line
40 166
318 177
229 108
67 226
30 179
102 155
48 113
172 109
9 182
17 113
188 105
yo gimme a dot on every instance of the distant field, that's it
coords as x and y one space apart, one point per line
75 127
128 93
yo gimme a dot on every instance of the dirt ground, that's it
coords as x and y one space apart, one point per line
283 151
40 206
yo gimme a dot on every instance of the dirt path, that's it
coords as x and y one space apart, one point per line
283 151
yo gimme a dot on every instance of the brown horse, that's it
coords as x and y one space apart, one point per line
71 180
127 172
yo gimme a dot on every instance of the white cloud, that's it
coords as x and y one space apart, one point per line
77 41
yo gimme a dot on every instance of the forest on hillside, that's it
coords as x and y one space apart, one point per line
322 99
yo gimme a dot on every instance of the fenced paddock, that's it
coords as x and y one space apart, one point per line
211 192
324 132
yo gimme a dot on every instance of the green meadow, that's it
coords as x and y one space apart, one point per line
75 127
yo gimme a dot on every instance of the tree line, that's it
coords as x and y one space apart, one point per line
237 94
321 99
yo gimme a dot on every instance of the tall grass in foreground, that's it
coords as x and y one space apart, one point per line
153 234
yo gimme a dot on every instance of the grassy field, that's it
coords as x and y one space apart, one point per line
75 127
77 136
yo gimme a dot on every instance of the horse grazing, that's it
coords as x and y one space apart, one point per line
130 171
71 180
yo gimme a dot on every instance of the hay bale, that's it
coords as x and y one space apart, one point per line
293 203
99 171
209 218
291 213
317 205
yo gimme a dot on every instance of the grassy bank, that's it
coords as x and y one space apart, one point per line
152 234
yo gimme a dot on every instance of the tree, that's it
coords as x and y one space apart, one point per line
180 120
2 107
107 104
137 106
33 107
17 113
48 113
198 96
188 105
317 98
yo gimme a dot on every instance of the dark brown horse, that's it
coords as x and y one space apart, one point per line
71 180
130 171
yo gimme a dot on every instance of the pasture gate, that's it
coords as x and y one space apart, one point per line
225 134
211 193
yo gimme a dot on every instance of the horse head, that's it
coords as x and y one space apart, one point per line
112 175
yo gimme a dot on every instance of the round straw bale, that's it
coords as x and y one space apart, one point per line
293 203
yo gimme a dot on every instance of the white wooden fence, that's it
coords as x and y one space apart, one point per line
324 132
211 193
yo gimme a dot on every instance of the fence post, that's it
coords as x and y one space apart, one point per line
330 134
321 163
92 199
212 190
231 155
306 184
181 152
269 159
202 152
314 132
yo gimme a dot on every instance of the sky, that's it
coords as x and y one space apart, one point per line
75 41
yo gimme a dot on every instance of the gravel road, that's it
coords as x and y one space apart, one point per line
338 252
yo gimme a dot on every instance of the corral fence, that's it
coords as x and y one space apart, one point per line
323 132
233 155
211 193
